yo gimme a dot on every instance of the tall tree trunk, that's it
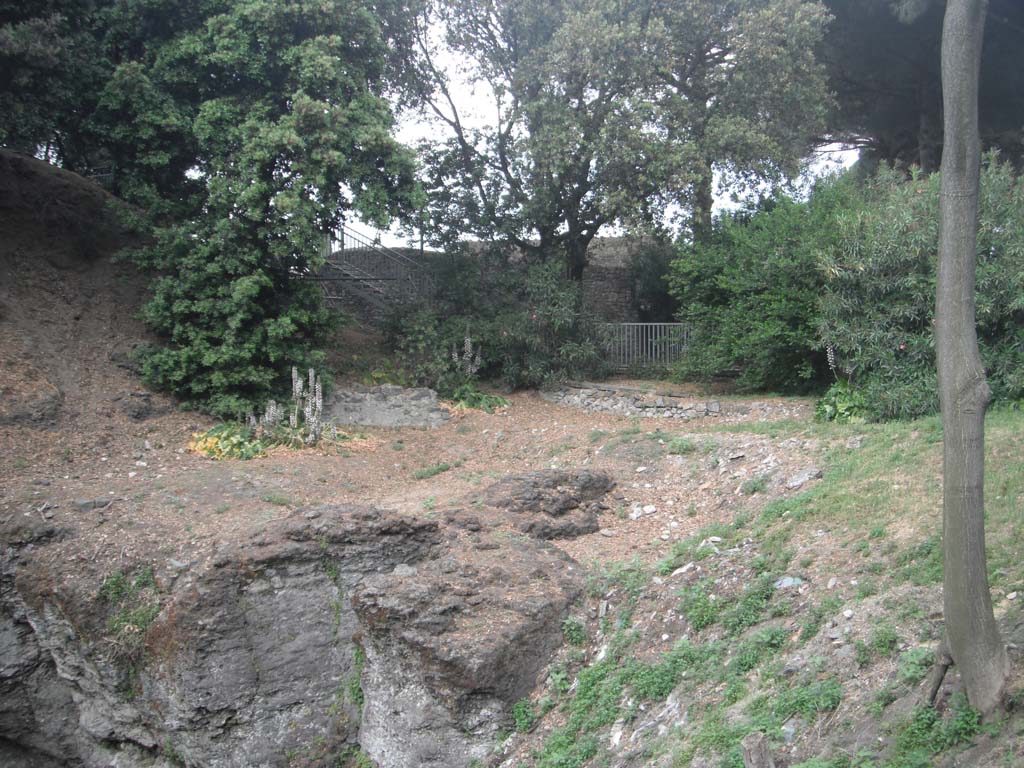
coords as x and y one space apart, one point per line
703 200
971 630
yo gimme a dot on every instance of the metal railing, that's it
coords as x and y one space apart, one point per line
658 345
369 265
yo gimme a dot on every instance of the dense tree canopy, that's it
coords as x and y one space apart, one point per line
607 112
883 63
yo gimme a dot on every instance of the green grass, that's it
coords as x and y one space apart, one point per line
277 499
876 510
433 470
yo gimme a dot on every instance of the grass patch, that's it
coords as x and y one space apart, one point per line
681 446
277 499
433 470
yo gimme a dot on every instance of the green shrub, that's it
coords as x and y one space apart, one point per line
523 715
526 324
842 404
750 293
879 296
574 632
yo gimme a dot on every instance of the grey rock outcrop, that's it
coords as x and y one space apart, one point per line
247 660
451 649
335 626
548 504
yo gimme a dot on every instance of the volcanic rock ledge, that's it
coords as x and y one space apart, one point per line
335 626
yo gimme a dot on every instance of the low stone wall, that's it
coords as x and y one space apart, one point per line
659 404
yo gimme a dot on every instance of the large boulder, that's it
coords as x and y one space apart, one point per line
386 406
250 657
547 504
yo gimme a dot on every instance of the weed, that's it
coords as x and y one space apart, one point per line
523 715
750 607
922 563
398 445
434 470
429 503
574 632
914 664
699 607
680 446
20 462
354 682
884 640
277 499
862 654
754 485
926 733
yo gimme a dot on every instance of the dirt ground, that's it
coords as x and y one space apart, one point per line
166 502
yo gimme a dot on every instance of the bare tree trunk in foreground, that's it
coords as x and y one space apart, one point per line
971 631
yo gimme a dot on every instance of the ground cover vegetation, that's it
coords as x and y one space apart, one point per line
755 656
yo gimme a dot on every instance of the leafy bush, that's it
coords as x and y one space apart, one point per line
842 404
525 323
750 293
228 441
879 298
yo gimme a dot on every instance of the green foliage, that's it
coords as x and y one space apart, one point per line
432 471
884 640
526 323
926 733
750 291
842 404
753 485
242 132
581 90
914 664
698 607
574 632
229 441
133 604
879 296
523 715
808 701
468 396
680 446
749 608
921 564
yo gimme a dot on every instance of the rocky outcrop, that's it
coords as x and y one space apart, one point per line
386 406
335 626
250 657
548 504
451 647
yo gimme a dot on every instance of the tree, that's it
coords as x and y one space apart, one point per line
607 112
566 152
738 89
971 631
243 131
883 66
